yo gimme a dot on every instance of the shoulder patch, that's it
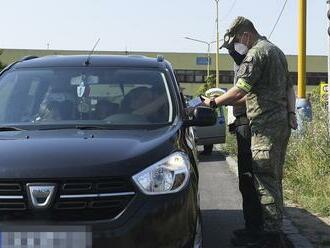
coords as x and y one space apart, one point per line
248 59
242 70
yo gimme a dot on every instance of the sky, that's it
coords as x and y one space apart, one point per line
152 25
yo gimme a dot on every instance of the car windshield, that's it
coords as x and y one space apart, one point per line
84 96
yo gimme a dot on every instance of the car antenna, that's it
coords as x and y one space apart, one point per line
87 62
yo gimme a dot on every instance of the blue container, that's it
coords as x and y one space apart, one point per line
304 113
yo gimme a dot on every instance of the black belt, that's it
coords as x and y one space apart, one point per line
241 115
241 120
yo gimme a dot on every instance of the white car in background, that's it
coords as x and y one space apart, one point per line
215 134
210 135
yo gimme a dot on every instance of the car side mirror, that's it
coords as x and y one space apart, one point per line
200 116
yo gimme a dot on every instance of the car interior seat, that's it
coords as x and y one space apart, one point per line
105 108
130 100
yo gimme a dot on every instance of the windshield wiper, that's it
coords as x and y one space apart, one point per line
105 127
9 128
87 127
80 127
123 126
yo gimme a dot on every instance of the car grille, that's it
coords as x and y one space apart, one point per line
11 197
75 200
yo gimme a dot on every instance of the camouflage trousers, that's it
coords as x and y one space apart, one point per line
268 147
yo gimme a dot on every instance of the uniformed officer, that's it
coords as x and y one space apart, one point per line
251 204
270 99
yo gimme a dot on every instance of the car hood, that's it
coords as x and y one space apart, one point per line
76 153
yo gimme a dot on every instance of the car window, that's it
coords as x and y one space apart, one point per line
85 95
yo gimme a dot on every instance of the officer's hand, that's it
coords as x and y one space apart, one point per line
293 121
206 101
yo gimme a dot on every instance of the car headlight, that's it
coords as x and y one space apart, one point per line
169 175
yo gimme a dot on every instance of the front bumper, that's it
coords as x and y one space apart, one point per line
148 221
152 221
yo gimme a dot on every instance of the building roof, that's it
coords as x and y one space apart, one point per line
179 61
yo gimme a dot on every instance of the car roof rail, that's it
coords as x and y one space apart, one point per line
160 58
14 63
136 56
28 58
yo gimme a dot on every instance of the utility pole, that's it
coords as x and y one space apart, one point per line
302 50
328 14
208 60
217 55
304 109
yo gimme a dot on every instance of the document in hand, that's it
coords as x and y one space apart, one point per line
195 102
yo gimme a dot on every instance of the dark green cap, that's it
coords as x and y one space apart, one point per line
239 24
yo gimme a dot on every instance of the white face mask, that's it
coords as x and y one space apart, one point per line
241 48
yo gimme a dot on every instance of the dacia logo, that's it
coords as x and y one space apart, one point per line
40 194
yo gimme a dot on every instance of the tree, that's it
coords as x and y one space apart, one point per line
210 83
2 66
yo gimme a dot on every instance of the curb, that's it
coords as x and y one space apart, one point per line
292 233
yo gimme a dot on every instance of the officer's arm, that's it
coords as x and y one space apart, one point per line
292 108
231 97
241 101
291 100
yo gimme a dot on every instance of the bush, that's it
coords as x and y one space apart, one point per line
210 83
2 66
307 172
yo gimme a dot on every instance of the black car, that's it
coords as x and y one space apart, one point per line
97 151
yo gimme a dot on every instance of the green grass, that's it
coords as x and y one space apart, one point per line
307 172
230 147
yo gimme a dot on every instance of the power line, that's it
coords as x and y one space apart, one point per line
278 19
229 11
227 14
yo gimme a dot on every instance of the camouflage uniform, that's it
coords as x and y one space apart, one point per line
264 76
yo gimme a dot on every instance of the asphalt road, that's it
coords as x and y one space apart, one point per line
220 201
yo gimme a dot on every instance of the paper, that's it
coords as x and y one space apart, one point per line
195 102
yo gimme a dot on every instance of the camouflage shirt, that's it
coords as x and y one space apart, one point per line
264 76
238 110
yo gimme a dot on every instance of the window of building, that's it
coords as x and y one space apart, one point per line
199 79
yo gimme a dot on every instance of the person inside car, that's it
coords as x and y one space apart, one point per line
105 109
143 101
